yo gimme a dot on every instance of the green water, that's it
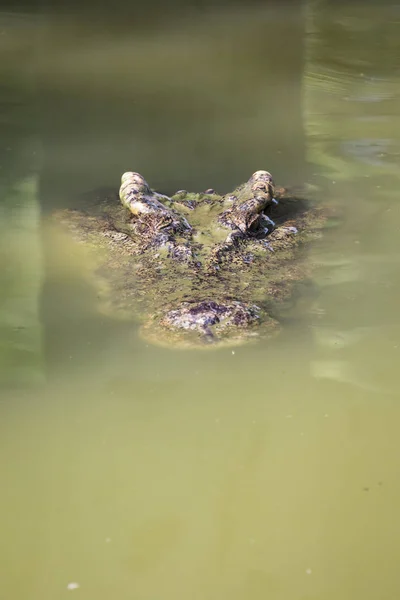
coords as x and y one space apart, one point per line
268 471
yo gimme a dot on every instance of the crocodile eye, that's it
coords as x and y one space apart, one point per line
261 186
262 180
134 180
262 175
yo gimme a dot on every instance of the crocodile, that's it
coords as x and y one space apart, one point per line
199 270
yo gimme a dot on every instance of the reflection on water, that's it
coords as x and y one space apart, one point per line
140 472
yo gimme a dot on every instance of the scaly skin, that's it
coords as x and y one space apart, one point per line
200 270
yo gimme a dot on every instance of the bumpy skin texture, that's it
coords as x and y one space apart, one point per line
199 270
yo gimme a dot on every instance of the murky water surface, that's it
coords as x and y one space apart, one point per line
268 471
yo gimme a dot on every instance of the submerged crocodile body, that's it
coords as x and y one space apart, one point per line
199 270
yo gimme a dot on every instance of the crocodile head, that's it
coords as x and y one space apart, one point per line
202 269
